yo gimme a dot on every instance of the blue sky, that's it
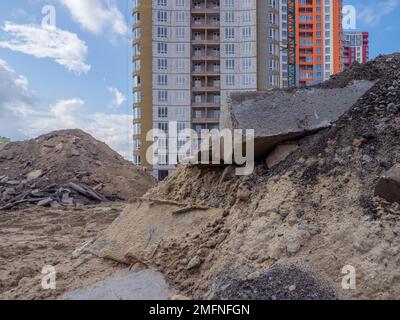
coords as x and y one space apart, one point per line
91 89
381 18
77 72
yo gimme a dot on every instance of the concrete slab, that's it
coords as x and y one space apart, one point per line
388 186
135 236
283 115
142 285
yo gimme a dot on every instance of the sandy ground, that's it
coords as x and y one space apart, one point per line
33 238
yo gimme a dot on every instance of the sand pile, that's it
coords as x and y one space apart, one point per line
70 167
308 216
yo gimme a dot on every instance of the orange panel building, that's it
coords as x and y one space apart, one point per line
319 40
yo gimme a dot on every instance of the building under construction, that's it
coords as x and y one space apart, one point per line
190 56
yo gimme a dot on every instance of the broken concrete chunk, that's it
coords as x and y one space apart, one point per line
194 263
154 223
45 202
34 175
13 183
287 115
388 186
280 153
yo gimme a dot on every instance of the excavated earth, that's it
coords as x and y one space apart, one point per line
294 228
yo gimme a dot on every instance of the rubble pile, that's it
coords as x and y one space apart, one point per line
316 208
55 196
66 168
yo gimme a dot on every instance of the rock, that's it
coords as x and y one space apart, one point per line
282 116
244 195
388 186
293 247
9 192
75 153
13 183
366 158
194 263
55 205
45 202
292 288
280 154
363 246
4 179
292 219
34 175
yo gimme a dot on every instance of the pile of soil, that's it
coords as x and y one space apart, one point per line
316 208
58 158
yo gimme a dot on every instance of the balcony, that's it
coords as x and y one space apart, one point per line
206 88
214 71
203 9
205 41
206 56
205 120
210 24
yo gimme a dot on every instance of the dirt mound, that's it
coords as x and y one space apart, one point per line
372 70
58 158
316 208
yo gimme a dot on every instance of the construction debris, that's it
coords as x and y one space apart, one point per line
388 186
279 116
66 168
68 195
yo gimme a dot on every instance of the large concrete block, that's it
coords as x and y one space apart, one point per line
388 186
284 115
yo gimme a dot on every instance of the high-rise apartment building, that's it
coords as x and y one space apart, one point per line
356 48
319 40
190 55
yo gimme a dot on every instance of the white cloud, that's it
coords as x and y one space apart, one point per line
21 118
372 13
47 42
118 97
113 129
97 16
14 95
